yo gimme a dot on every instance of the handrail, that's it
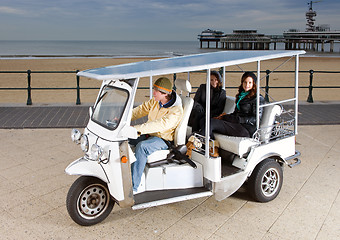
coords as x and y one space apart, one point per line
78 88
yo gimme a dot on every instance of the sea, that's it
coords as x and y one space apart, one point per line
113 49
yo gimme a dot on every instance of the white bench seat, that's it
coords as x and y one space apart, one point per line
237 145
242 145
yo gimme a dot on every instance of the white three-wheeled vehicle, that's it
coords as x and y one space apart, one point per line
169 176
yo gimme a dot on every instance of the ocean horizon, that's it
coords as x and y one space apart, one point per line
42 49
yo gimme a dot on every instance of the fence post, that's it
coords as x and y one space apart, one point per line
174 81
267 86
29 99
78 89
310 96
221 71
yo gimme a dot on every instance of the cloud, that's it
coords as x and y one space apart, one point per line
156 19
11 10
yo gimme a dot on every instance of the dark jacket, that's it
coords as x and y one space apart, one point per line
247 113
217 100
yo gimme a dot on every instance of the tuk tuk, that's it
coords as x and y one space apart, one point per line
105 168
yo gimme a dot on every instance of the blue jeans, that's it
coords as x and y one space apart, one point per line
144 148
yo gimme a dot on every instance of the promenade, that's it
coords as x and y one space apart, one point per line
13 117
36 147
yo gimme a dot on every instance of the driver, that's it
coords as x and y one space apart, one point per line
164 113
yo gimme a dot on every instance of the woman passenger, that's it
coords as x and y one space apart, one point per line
240 123
217 101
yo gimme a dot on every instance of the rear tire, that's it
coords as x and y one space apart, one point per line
88 201
266 181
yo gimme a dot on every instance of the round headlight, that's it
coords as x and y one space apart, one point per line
75 135
96 152
84 143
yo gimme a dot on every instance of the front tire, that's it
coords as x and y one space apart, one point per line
266 181
88 201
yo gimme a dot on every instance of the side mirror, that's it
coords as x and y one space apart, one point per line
90 111
128 132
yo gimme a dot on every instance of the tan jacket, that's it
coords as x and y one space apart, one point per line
162 122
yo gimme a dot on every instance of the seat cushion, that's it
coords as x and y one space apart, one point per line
237 145
158 155
229 105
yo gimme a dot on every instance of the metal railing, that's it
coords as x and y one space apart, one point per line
267 87
29 80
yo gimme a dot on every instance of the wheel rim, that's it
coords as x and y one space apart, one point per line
93 201
270 182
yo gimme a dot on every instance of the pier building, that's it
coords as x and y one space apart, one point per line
245 40
208 36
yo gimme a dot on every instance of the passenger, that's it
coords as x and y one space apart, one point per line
242 122
217 101
164 113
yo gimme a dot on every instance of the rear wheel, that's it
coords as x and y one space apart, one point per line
88 201
266 181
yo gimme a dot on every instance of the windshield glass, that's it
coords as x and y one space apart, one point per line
110 107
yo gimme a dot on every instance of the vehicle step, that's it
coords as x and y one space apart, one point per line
161 197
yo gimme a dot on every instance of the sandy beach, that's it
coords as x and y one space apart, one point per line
66 80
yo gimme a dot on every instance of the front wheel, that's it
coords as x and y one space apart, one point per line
266 181
88 201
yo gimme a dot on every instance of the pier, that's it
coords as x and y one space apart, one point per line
311 40
240 40
314 38
251 40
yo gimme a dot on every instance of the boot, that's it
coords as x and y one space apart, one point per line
193 142
190 146
213 151
197 143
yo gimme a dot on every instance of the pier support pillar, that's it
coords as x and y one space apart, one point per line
331 47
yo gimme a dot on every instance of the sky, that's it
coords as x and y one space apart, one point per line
161 20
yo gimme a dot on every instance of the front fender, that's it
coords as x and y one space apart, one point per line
85 167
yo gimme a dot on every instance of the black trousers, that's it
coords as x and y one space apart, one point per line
225 128
195 119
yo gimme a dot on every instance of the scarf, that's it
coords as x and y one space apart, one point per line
242 95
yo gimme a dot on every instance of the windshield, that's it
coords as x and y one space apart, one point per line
110 107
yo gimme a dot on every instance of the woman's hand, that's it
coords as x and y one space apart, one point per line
220 117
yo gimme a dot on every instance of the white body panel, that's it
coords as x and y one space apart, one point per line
85 167
282 148
211 166
228 185
173 177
